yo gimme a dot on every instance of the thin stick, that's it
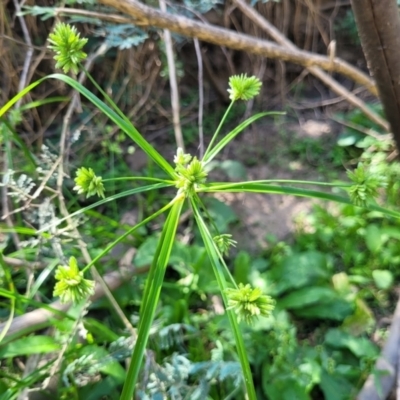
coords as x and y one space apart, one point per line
383 377
21 85
173 83
201 96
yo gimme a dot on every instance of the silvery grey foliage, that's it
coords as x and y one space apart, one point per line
123 36
178 378
46 161
202 6
172 335
19 187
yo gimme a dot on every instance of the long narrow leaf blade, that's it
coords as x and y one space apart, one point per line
257 187
123 124
218 270
231 135
151 295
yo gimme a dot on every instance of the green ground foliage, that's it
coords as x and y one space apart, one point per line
204 317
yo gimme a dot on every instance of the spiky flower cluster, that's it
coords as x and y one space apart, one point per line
67 45
71 285
87 182
243 87
249 303
366 185
224 242
190 172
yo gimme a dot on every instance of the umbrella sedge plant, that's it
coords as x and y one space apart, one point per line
188 175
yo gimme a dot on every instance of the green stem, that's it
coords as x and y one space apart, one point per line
297 182
151 296
138 178
213 252
217 131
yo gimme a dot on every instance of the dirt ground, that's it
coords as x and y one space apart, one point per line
261 215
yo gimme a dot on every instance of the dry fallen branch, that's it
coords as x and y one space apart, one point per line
316 71
147 16
40 318
381 381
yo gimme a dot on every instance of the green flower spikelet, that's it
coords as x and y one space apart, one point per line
249 303
224 242
243 87
71 285
67 45
87 182
190 172
366 185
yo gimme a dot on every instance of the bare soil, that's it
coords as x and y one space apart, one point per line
261 215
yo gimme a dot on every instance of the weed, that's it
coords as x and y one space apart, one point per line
305 283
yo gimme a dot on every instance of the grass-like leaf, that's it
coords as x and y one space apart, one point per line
214 257
257 187
151 295
231 135
122 123
107 200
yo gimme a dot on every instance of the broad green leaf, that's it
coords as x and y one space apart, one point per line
29 345
383 278
106 388
334 386
359 346
185 259
146 251
285 389
234 169
307 296
361 320
336 309
373 238
299 270
221 213
391 231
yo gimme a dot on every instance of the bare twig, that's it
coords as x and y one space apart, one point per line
318 72
61 11
173 83
148 16
40 318
201 96
380 383
29 51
